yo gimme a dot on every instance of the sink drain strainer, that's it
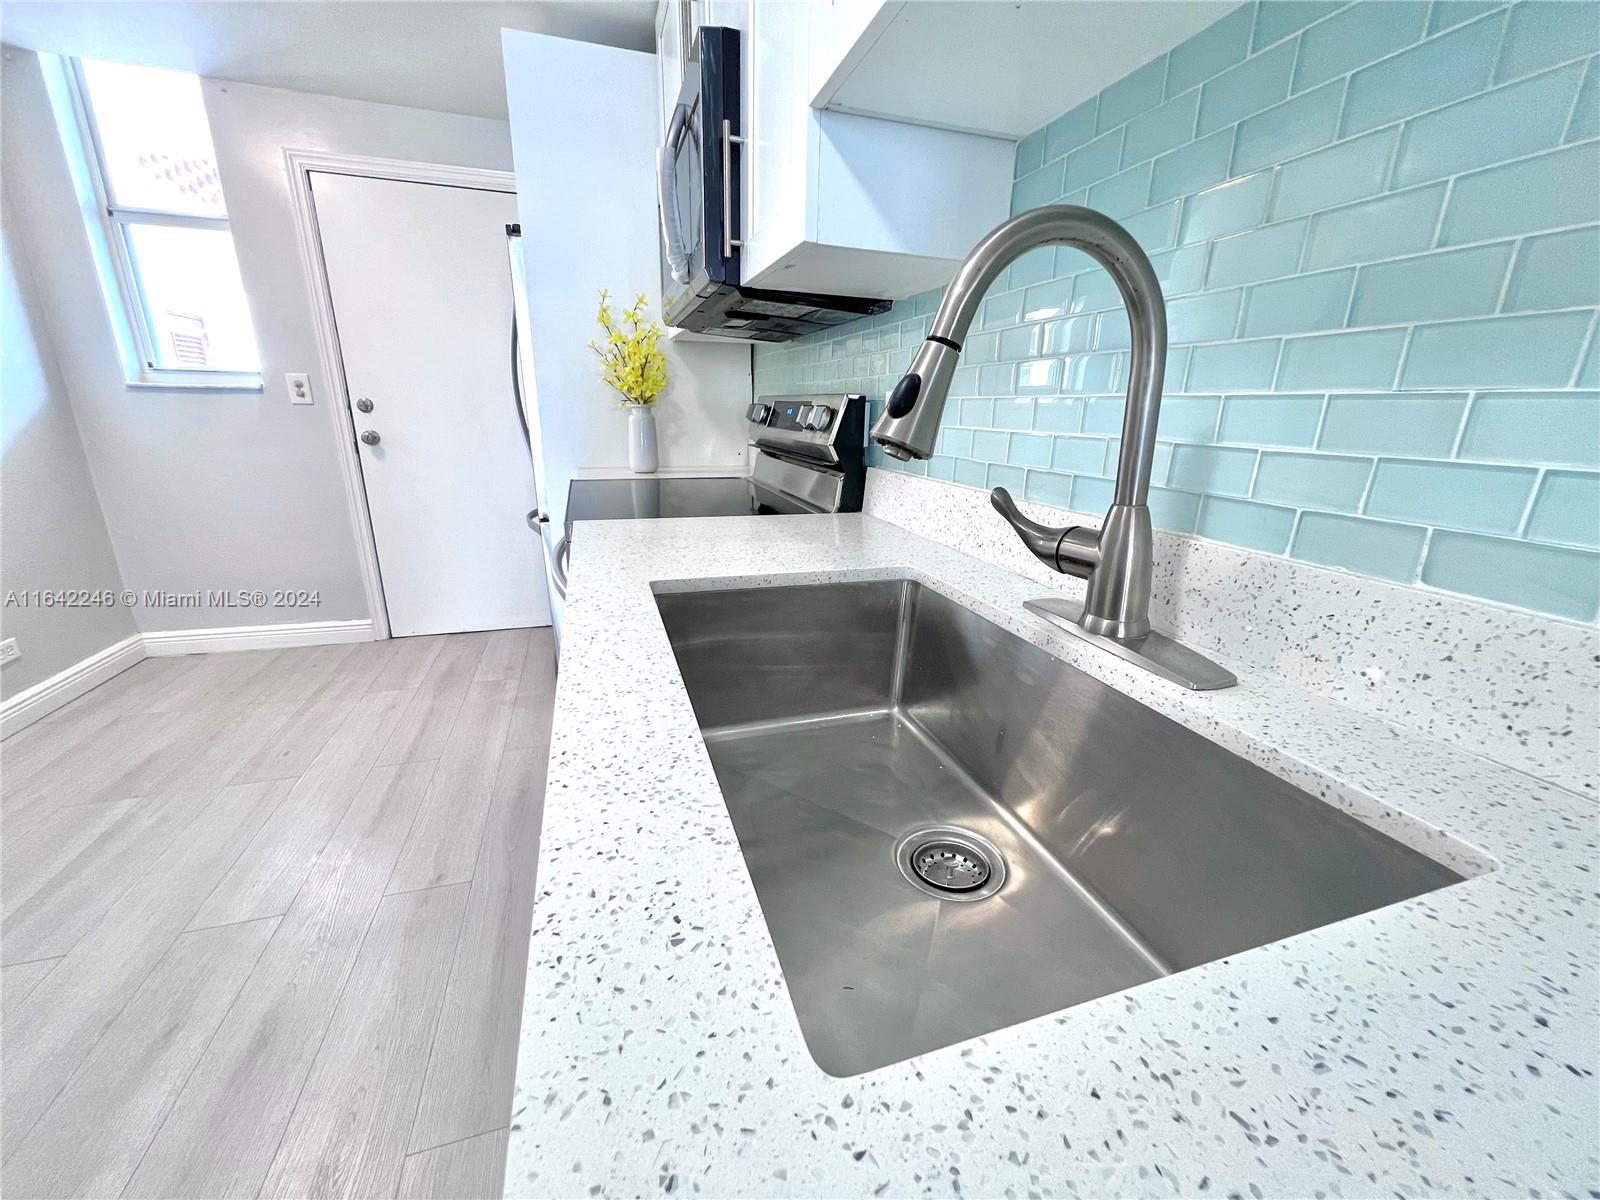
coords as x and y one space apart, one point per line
951 863
951 866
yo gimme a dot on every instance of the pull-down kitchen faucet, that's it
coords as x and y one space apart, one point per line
1114 560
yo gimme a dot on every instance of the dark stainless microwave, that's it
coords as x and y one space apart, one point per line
697 178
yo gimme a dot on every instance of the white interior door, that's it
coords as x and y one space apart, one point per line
422 304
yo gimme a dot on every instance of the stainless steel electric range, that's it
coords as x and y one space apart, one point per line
807 456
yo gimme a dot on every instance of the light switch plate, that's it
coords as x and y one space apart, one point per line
299 389
9 653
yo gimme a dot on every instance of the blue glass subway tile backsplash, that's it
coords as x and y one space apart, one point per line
1377 225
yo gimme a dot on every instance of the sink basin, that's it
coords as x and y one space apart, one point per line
950 830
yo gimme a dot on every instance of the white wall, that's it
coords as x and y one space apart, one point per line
583 134
205 491
51 527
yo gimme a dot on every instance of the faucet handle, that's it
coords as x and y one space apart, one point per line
1043 541
1071 549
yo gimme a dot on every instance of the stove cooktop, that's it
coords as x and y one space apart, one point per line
632 499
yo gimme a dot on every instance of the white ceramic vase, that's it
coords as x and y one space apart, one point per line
642 458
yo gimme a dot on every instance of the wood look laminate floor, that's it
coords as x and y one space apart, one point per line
265 921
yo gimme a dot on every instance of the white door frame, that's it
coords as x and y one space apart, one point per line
300 164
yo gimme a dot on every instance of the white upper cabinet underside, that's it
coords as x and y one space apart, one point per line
989 66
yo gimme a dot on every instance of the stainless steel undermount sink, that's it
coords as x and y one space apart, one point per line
951 830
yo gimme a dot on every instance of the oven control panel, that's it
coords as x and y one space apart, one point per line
785 414
816 437
796 414
820 426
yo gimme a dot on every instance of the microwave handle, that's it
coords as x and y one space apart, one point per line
729 138
667 196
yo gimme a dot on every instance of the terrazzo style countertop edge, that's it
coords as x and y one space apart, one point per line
1498 682
1445 1045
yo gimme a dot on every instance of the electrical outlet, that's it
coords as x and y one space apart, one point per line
299 389
9 652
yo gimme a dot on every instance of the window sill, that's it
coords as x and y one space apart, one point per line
222 383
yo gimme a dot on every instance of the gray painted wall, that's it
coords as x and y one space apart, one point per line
206 491
51 529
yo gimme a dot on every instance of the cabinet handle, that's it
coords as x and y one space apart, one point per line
729 137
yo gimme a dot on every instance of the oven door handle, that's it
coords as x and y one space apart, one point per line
667 196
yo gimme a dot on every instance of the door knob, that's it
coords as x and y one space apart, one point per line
370 437
364 404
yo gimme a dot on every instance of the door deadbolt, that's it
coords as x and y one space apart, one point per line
364 404
370 437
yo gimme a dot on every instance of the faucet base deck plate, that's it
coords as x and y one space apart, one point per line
1154 652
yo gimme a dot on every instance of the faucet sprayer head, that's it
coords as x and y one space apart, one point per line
910 422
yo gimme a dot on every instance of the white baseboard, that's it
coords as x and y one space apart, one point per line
256 637
44 697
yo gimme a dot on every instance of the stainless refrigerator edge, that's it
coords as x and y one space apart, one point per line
552 540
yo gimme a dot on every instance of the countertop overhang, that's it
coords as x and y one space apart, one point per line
1442 1046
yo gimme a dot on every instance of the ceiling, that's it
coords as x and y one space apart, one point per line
436 54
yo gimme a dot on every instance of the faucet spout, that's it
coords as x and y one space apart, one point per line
1116 561
910 423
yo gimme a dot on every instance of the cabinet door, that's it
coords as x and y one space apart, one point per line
776 132
669 63
728 13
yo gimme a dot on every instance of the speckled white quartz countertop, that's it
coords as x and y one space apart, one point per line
1443 1046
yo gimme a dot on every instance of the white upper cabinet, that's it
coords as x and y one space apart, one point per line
669 60
844 204
986 66
676 21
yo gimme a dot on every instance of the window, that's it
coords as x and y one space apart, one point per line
147 171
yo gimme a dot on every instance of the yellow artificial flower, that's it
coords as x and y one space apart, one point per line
631 361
